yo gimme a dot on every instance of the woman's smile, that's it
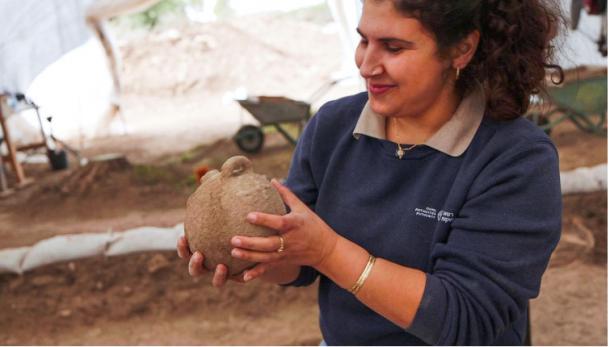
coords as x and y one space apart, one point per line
394 51
379 88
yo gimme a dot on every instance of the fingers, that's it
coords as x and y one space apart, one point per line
182 247
280 223
238 277
262 244
220 276
255 272
196 268
256 257
287 196
269 220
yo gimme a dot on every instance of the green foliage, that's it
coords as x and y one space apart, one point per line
222 9
188 156
152 16
149 174
188 182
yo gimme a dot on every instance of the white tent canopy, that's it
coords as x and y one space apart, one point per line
578 47
34 34
48 52
37 33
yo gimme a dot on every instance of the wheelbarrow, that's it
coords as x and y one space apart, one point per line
275 111
581 100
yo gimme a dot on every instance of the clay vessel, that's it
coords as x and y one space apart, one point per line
217 211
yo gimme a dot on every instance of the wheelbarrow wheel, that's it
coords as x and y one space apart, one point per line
250 139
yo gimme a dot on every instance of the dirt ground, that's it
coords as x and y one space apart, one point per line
148 298
154 301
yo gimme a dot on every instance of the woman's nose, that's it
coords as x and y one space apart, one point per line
370 65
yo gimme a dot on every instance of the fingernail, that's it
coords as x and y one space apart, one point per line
235 253
235 241
251 217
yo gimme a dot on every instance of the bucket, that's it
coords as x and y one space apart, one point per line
58 159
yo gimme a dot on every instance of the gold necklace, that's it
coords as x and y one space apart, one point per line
400 152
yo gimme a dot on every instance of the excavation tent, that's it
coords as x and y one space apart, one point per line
35 34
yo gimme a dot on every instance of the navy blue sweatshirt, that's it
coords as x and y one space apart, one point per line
481 225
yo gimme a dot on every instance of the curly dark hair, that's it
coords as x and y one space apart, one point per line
514 50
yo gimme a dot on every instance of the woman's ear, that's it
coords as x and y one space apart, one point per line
464 51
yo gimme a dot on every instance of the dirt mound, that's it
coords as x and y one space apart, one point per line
85 178
81 190
220 56
103 195
584 235
89 301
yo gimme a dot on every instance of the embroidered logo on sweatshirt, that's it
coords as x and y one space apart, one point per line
431 213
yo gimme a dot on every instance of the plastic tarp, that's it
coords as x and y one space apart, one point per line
146 238
11 259
585 180
63 248
47 50
578 47
346 14
34 34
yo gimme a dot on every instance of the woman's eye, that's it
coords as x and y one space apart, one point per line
394 49
363 41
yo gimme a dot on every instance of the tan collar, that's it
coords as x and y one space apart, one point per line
453 138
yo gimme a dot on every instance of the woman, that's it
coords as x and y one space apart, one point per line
427 206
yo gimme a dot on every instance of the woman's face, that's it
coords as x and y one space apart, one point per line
399 60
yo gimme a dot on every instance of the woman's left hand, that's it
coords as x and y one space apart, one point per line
307 239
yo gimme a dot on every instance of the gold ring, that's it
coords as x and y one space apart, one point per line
281 249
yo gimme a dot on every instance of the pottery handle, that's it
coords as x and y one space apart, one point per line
235 166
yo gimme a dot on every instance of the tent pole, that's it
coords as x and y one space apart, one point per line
12 152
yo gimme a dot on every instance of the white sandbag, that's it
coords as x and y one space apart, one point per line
145 239
10 259
585 180
65 247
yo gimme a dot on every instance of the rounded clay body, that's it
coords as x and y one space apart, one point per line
217 211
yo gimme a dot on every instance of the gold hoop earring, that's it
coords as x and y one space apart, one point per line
457 74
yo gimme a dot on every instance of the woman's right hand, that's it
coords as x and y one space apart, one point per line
196 267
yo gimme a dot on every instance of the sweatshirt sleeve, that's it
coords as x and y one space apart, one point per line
301 182
499 246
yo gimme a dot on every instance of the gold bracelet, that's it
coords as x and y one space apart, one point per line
364 275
